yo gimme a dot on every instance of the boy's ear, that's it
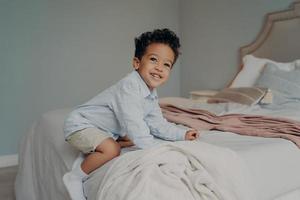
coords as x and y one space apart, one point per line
136 63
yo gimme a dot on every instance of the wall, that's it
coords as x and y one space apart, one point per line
60 53
212 32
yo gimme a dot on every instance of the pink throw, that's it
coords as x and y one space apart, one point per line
244 124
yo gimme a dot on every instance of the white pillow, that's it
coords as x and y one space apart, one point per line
253 66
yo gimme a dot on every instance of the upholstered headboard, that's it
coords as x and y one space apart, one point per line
279 38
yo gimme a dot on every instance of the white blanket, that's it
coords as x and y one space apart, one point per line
181 170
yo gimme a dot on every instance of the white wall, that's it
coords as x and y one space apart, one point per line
212 32
60 53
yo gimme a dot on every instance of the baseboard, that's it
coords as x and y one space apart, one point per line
8 160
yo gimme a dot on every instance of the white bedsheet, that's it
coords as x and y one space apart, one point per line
45 157
273 163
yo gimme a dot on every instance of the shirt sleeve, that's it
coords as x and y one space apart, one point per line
161 128
128 109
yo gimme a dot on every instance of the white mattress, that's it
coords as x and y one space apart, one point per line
45 157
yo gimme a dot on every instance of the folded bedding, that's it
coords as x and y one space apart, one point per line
245 124
242 95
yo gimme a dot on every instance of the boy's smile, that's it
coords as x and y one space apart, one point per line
155 65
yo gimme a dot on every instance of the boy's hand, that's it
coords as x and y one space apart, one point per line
124 142
191 135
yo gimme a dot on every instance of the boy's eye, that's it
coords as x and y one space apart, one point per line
167 65
153 59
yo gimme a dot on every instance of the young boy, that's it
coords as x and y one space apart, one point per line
128 111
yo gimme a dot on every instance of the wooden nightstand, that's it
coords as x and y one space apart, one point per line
202 95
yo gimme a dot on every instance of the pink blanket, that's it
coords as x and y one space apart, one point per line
244 124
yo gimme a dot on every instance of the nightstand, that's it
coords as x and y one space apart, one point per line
202 95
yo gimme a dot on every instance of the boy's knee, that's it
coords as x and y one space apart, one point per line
110 148
115 150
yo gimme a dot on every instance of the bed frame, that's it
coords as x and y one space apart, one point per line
279 38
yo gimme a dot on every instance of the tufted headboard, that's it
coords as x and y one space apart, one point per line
279 38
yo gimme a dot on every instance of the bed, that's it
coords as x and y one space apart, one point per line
220 165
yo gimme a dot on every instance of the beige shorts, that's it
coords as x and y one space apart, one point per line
88 139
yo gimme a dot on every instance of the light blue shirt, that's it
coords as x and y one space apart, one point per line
126 108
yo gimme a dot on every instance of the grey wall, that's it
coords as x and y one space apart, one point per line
60 53
212 32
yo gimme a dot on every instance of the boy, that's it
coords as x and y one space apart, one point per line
128 110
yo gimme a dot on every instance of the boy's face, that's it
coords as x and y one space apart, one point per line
155 65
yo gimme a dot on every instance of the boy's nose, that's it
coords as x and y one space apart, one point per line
159 67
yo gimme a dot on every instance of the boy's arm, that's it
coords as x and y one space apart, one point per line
128 109
161 128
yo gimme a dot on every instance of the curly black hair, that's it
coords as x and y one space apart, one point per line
164 36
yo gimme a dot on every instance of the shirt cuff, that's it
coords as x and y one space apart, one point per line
181 134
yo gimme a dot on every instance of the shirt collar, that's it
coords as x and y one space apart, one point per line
144 88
